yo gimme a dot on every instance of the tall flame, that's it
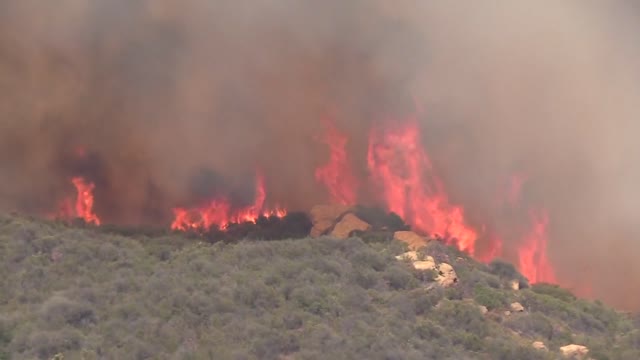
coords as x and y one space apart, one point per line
336 175
410 187
82 207
534 264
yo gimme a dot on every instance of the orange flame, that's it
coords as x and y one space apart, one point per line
83 206
410 187
534 264
336 175
220 213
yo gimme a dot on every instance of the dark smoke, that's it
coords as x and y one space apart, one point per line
177 100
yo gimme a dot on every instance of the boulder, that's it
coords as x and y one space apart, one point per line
574 351
409 255
324 217
348 224
515 284
446 275
483 309
412 239
517 307
539 345
427 264
321 227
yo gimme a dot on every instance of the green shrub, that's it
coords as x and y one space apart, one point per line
507 272
554 291
491 298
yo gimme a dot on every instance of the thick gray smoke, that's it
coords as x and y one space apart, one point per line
172 98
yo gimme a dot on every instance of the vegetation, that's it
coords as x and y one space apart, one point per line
82 293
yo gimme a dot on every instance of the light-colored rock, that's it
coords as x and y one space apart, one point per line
348 224
413 240
507 313
515 284
321 227
517 307
446 275
574 351
409 255
324 217
427 264
539 345
483 309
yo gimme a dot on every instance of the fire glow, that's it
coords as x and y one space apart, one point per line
404 173
219 212
400 173
82 206
336 175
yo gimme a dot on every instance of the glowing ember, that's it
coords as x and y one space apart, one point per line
410 188
336 175
534 263
220 213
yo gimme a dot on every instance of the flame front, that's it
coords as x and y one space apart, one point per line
219 212
403 171
82 207
336 175
532 255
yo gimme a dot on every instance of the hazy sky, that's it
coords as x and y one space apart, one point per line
160 91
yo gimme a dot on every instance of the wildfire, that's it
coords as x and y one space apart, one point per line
404 176
532 255
410 187
82 207
336 175
219 212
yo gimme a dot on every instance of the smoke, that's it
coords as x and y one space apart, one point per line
161 103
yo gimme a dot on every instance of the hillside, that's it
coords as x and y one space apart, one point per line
85 293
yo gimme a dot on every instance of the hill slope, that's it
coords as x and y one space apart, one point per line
92 294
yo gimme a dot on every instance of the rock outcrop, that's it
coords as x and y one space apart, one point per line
539 345
515 284
409 255
446 275
517 307
412 239
348 224
325 217
574 351
427 264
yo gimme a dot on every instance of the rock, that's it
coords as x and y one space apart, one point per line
483 309
574 351
409 255
321 227
517 307
412 239
446 275
515 284
507 313
539 345
348 224
427 264
324 217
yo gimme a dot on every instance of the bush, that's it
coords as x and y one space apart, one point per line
380 219
489 297
534 325
507 272
554 291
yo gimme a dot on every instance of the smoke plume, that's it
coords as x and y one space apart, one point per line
161 103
